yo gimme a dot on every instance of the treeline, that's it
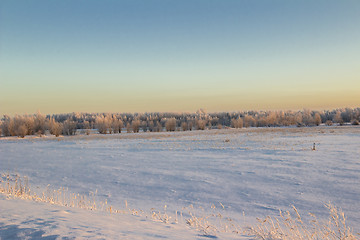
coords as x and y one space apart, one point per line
104 123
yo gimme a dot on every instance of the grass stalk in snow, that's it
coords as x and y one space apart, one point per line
14 186
211 223
287 227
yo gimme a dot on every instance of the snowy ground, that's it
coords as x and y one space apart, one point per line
241 174
21 219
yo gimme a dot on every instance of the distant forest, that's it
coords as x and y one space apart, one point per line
108 123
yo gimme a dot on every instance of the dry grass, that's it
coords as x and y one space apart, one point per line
211 222
208 222
287 227
15 186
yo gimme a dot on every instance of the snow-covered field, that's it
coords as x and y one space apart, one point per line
231 173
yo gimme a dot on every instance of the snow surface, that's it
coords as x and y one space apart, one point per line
21 219
240 173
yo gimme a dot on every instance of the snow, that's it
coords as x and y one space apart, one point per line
25 220
238 173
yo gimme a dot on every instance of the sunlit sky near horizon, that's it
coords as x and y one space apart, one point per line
178 56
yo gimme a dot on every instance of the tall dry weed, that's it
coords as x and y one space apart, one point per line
288 227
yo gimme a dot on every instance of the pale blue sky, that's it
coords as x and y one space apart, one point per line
162 55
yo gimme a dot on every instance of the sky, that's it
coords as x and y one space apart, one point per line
178 56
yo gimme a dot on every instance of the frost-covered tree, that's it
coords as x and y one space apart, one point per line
12 127
135 125
271 119
151 126
214 121
144 126
190 125
103 124
87 127
347 115
237 123
329 123
338 118
200 124
184 126
249 121
159 127
21 130
117 125
299 119
39 123
5 126
18 127
112 123
55 128
317 119
170 124
128 127
29 122
307 118
69 127
261 122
